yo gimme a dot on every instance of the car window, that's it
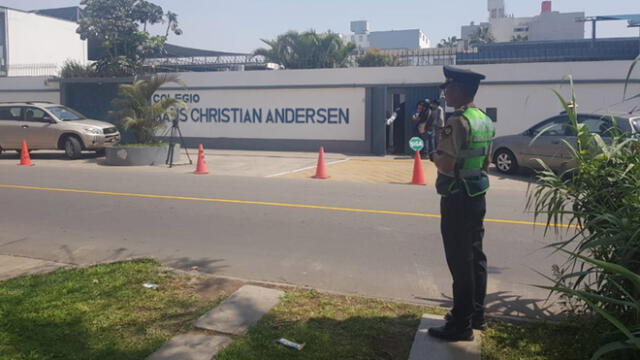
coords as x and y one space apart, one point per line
65 114
597 124
34 114
557 126
11 113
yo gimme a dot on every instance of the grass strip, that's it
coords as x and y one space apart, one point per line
101 312
331 327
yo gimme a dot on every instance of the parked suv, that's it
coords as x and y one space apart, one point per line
47 126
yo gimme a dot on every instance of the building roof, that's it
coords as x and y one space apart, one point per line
182 51
36 12
71 13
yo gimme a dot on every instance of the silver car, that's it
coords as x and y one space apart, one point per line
47 126
515 151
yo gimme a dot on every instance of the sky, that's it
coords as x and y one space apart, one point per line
238 25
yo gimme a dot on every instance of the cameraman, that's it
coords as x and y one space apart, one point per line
435 124
421 117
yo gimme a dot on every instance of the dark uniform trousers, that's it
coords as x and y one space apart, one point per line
462 232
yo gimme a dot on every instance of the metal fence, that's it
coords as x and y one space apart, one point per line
553 51
523 52
32 70
208 63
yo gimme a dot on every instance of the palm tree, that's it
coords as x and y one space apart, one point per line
450 42
137 113
308 50
172 24
482 35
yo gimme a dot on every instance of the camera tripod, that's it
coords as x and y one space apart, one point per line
175 137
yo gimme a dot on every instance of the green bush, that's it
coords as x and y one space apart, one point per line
74 69
601 196
138 114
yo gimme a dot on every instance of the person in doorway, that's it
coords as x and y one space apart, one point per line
421 116
435 123
462 160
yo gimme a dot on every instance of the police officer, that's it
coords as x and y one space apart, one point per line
462 160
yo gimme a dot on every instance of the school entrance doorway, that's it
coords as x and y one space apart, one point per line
402 102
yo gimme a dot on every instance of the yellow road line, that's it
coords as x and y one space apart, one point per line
261 203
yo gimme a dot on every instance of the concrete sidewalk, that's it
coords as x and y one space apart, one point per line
426 347
14 266
390 169
220 162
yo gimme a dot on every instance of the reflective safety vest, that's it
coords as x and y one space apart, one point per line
470 161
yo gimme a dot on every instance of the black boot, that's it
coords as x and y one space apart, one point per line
453 331
478 322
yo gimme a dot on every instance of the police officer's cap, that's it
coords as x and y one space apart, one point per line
454 74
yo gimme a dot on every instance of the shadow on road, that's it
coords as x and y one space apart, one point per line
37 155
205 265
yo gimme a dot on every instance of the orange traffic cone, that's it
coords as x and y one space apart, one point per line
321 169
418 173
25 158
201 167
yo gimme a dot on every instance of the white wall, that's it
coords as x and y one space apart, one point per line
502 28
410 75
519 104
29 89
522 105
41 42
309 114
508 87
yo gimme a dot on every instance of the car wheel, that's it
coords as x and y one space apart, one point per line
72 147
505 161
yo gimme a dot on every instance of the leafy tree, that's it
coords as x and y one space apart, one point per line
450 43
376 58
115 25
308 50
482 35
138 114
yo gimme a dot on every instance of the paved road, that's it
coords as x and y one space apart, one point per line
336 244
